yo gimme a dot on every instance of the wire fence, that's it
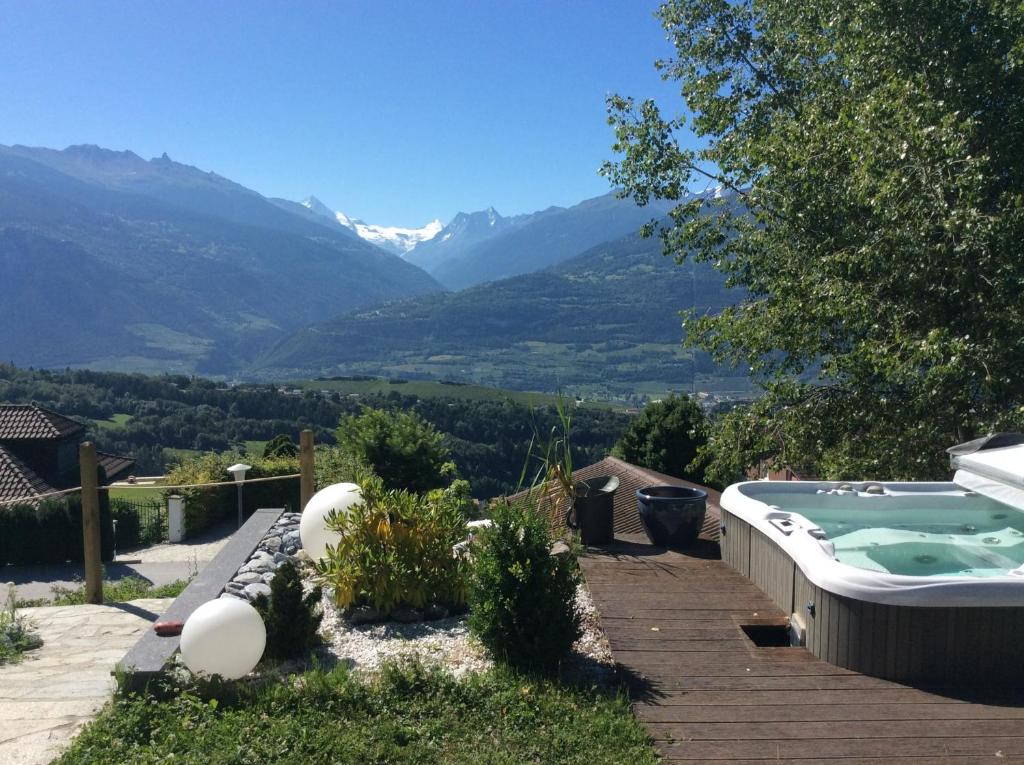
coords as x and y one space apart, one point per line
138 522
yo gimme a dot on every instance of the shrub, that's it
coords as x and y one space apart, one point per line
206 506
405 450
396 548
522 599
335 465
50 531
291 617
16 635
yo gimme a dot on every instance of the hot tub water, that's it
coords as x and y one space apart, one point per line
949 535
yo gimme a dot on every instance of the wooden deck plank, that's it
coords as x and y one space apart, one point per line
927 759
843 712
838 750
851 696
706 693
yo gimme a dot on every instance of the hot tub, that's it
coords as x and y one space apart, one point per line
919 582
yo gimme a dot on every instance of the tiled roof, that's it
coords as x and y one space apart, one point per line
22 422
632 477
115 465
18 480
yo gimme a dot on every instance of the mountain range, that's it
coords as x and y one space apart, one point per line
484 246
112 261
131 264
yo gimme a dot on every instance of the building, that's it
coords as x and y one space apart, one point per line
39 453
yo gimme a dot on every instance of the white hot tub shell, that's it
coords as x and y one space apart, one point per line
937 629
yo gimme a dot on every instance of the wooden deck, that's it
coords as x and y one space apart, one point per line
706 693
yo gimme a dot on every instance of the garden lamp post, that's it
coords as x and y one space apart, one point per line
238 471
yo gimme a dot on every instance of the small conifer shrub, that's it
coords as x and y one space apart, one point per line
291 617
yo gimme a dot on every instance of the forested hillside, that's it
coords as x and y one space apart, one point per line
604 323
156 417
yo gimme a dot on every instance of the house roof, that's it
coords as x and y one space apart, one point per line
18 480
116 466
29 422
625 513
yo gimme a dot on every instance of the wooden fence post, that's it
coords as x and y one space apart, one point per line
91 522
306 482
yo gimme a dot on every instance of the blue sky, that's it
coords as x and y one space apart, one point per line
395 112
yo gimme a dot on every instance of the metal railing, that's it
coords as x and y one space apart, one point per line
138 522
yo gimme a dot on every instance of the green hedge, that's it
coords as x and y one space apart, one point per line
204 507
50 532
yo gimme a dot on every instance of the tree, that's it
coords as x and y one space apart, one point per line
666 437
405 450
872 159
281 445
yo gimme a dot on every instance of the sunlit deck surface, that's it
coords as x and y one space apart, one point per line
706 693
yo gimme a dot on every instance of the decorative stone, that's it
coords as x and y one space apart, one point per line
435 611
363 615
261 566
247 577
268 578
253 591
232 595
407 614
559 548
271 544
234 586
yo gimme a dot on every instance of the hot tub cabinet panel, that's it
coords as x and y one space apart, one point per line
956 645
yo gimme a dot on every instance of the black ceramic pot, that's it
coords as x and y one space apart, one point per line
672 515
592 512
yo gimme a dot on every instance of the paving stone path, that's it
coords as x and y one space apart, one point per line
56 689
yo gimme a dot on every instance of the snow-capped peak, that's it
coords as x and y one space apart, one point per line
397 239
394 238
317 207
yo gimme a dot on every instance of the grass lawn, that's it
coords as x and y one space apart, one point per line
142 494
407 715
115 422
120 591
254 447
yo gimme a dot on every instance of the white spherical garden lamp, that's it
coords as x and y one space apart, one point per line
313 529
223 637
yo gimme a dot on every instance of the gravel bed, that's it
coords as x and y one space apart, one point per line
364 647
447 643
441 642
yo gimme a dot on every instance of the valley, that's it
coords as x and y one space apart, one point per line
603 325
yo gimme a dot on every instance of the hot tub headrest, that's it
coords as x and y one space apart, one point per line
992 441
